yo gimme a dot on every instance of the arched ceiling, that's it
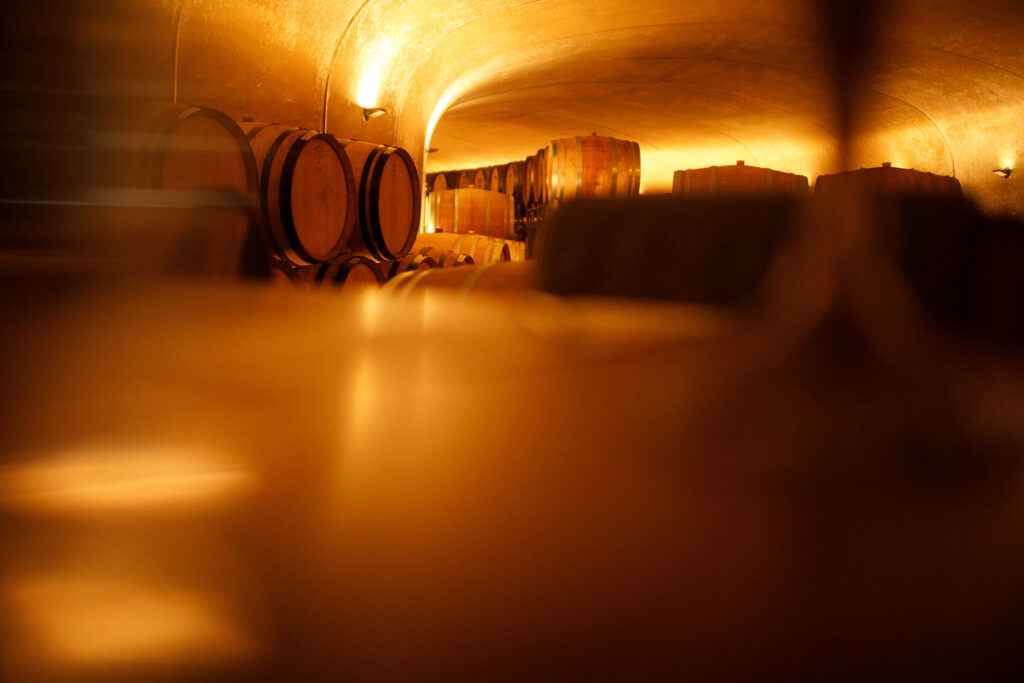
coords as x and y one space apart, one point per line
485 81
703 83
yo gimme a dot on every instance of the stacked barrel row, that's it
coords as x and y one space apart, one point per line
592 166
430 251
209 194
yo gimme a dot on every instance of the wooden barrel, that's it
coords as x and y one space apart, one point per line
481 249
593 167
451 179
348 272
887 179
517 250
439 184
307 192
411 261
514 179
389 199
738 179
497 175
530 180
540 190
470 210
495 278
446 258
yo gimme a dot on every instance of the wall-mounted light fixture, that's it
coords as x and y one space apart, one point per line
1004 172
433 150
373 112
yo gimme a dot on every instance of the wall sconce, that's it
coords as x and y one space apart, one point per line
433 150
373 112
1004 173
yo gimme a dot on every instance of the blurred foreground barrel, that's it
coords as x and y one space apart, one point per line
706 250
480 248
495 278
593 166
389 198
307 190
162 190
887 179
348 272
738 179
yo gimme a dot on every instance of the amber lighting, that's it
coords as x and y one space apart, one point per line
374 72
117 479
78 620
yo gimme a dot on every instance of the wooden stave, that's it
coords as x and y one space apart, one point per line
572 176
470 209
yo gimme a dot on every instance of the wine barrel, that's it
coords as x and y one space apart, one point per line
738 179
497 177
389 199
410 262
514 179
887 179
593 167
530 180
348 271
446 258
517 250
541 184
494 278
481 248
307 192
470 210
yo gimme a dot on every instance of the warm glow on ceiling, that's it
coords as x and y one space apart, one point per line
374 72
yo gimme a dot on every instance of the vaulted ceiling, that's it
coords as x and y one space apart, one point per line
484 81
